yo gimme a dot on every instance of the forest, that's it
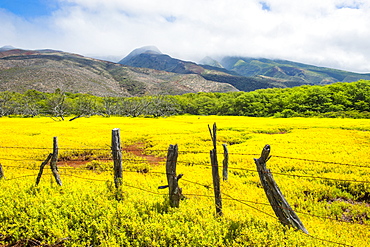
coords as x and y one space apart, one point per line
340 99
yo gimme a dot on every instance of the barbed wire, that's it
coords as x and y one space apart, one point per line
303 176
261 211
320 161
326 240
244 202
267 204
231 198
183 152
231 168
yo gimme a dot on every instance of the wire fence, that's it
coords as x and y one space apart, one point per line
251 204
206 186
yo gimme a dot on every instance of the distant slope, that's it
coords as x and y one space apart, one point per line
47 70
151 57
211 62
287 70
146 71
146 58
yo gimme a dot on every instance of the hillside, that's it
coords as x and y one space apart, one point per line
47 70
246 74
151 57
147 71
287 70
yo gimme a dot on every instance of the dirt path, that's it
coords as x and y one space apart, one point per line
136 149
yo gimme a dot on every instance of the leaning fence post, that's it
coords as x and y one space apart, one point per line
1 172
117 157
215 174
279 204
175 192
43 164
225 163
54 160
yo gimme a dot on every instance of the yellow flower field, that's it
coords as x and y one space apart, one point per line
322 166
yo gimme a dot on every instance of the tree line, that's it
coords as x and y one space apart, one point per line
334 100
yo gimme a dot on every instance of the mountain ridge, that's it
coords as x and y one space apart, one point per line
47 70
245 73
284 69
147 71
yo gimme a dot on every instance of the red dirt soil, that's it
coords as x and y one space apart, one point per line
136 149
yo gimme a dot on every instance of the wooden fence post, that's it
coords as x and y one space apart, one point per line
175 192
279 204
117 157
225 163
215 174
1 172
54 160
43 164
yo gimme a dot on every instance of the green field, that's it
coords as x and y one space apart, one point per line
322 166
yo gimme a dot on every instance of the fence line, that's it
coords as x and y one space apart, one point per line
304 176
244 202
267 204
230 168
261 211
183 152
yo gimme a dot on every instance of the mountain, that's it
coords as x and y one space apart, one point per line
151 57
47 70
138 51
147 58
147 71
6 48
211 62
287 70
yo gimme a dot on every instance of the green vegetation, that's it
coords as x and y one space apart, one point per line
288 70
335 100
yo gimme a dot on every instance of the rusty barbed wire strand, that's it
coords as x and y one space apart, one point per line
244 202
230 168
240 201
188 151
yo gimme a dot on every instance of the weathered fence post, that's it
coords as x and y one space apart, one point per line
117 157
43 164
175 192
279 204
54 160
1 172
225 163
215 174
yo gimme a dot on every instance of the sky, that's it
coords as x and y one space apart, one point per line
329 33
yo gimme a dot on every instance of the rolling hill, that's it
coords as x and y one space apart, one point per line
147 71
287 70
246 74
150 57
47 70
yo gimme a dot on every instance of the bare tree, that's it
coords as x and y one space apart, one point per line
86 105
57 106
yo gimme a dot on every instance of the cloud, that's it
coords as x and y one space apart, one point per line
331 33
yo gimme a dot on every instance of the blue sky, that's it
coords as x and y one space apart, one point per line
331 33
29 8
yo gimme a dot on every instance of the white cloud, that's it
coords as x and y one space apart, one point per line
331 33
